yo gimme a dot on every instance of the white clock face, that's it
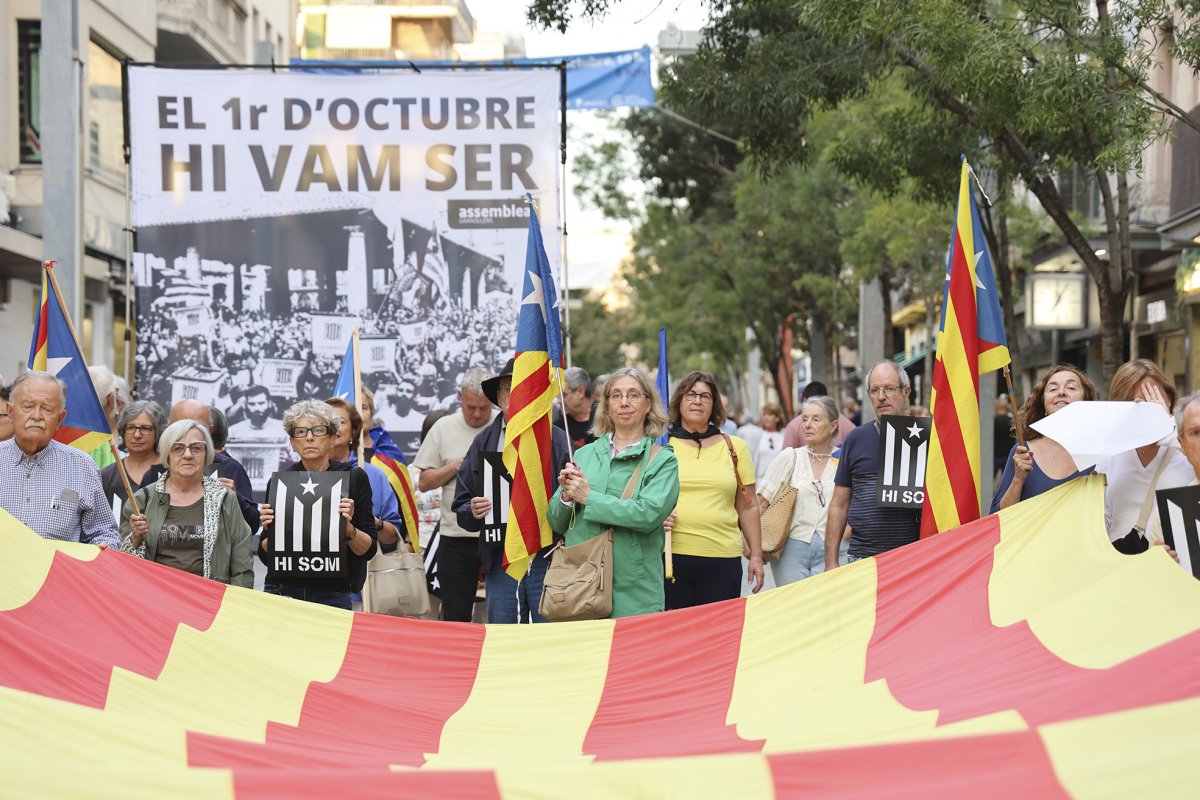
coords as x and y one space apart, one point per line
1058 302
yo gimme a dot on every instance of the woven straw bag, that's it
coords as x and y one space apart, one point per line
777 519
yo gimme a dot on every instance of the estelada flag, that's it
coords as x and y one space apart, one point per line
971 342
54 350
388 457
344 388
527 444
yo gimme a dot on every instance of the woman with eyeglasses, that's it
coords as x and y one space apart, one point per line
590 498
1042 463
717 518
812 467
139 426
188 520
310 424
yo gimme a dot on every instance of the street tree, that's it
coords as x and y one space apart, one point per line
1049 85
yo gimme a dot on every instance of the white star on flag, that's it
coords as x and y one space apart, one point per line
978 283
308 486
57 365
536 297
914 430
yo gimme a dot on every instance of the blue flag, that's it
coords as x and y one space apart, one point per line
663 381
345 382
539 282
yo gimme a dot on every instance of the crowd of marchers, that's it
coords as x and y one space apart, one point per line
695 503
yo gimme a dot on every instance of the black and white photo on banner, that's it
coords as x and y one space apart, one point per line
277 211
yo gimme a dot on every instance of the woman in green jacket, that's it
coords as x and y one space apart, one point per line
189 520
588 501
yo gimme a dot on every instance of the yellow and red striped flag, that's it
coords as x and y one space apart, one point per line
527 444
913 675
971 342
53 349
388 457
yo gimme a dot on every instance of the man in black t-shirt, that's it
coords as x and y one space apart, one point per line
580 408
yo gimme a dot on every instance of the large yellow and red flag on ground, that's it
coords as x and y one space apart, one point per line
528 454
54 350
971 342
1001 660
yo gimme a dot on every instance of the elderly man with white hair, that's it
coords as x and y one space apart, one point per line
51 487
105 385
439 458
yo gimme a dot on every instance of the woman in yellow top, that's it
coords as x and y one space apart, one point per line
716 513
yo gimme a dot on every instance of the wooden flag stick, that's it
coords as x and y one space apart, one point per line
1016 405
112 441
562 399
357 390
668 564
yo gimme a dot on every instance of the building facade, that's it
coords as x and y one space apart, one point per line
197 32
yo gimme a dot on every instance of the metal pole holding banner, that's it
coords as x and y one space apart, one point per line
112 440
357 388
128 354
566 275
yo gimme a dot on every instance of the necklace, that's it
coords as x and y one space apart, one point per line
819 456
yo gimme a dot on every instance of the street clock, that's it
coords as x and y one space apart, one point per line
1056 300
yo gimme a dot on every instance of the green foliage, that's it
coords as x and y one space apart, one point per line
597 335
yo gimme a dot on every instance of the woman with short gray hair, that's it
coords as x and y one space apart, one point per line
189 520
809 469
139 426
311 424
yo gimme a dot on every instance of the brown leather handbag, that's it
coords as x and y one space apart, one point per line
578 583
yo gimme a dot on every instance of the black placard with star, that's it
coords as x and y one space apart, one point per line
307 541
1179 511
903 453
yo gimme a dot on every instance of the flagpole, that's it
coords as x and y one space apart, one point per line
1016 406
357 389
562 399
112 440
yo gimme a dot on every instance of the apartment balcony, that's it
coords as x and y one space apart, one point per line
201 32
352 29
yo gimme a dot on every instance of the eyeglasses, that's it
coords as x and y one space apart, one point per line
316 430
145 430
617 397
698 397
820 492
195 448
880 391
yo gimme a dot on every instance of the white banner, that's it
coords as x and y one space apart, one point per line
284 201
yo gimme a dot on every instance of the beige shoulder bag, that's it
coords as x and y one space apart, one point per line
578 582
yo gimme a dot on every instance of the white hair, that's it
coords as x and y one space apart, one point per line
472 380
103 380
175 433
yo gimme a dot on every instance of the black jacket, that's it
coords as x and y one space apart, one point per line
470 474
364 520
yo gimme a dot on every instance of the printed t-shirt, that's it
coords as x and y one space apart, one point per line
876 529
706 523
181 540
448 440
